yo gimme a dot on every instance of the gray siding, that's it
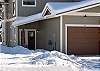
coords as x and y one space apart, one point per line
49 30
94 9
80 20
77 20
26 11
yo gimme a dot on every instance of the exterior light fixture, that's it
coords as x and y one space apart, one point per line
85 15
37 30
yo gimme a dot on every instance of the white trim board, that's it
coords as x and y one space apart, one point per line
80 9
20 30
61 30
75 25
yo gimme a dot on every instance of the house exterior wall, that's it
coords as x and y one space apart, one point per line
26 11
77 20
49 35
94 9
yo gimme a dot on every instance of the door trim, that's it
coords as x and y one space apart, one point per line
26 36
20 30
75 25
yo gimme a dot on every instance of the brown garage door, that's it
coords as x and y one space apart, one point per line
83 41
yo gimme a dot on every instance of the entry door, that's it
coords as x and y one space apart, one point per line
31 39
83 40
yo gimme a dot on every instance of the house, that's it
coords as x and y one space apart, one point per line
69 27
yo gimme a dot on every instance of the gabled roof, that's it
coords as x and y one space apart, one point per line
60 7
56 8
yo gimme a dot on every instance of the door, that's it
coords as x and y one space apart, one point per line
31 40
83 40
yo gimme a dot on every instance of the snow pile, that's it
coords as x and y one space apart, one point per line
87 63
90 64
46 58
24 56
14 50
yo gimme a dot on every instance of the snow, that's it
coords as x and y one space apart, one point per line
25 58
14 50
23 20
55 8
60 7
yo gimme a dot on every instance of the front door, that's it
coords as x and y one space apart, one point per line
31 40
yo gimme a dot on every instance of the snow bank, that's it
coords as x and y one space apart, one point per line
14 50
22 56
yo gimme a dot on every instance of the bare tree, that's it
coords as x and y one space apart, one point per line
7 28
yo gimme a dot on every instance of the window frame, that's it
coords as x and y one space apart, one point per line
28 5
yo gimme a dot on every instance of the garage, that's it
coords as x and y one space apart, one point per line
83 40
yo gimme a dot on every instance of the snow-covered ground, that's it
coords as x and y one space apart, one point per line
13 59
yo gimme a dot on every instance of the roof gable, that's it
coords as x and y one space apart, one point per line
61 7
46 12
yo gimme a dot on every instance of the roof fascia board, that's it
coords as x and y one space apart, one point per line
80 9
83 14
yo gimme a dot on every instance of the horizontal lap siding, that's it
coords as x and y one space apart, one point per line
94 9
49 30
78 20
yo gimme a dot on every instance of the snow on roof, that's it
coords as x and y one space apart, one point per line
59 7
23 20
56 8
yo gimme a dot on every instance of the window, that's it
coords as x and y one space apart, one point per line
14 9
0 5
30 3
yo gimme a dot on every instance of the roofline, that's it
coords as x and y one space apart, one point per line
69 13
79 9
83 14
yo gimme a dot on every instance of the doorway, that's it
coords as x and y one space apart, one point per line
27 38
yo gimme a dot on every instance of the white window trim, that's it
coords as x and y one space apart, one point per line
28 5
75 25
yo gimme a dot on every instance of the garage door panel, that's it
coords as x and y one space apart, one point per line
83 40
